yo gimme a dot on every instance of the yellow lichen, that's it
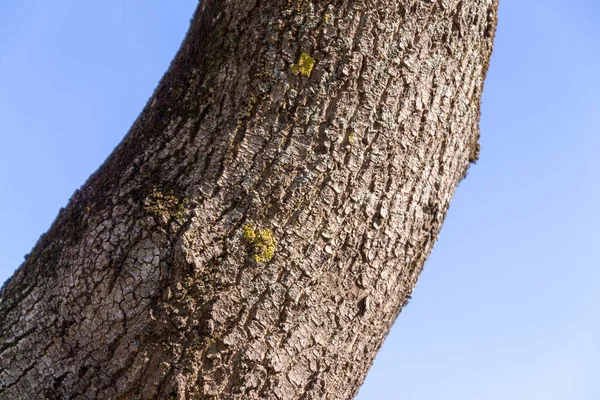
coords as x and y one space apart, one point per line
327 18
352 137
249 233
305 65
261 242
164 204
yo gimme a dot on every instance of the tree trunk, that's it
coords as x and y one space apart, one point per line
266 218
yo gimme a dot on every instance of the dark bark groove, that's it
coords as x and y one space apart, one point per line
149 284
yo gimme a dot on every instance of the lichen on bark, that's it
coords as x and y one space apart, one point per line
261 242
304 66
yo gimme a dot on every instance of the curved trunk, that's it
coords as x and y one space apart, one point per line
261 226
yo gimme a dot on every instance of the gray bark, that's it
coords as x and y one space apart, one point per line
262 224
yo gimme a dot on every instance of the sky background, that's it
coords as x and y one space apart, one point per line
506 307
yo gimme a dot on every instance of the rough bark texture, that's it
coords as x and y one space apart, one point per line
156 280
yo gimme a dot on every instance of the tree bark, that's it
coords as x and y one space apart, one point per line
266 218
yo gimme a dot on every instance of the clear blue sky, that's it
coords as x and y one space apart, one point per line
507 305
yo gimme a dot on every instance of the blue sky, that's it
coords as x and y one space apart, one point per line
506 306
